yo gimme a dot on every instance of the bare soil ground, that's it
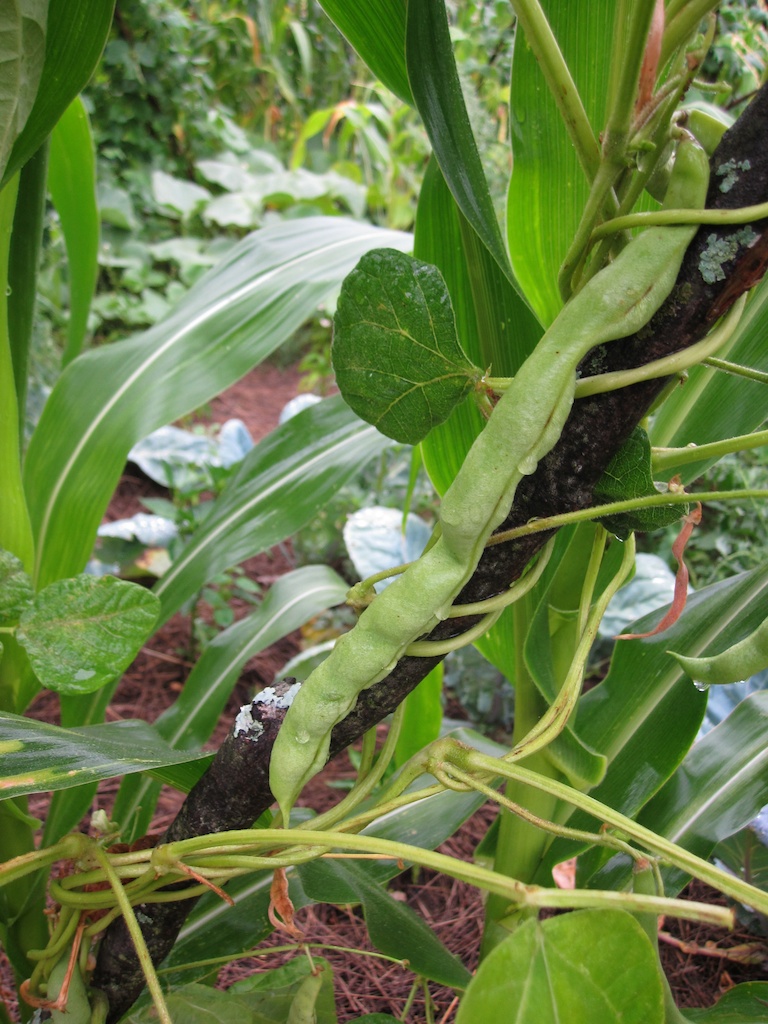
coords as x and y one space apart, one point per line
697 961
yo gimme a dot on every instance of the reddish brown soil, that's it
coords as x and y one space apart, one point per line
698 973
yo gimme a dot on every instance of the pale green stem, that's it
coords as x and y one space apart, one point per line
15 527
366 784
69 848
654 218
438 648
628 51
428 1003
367 753
605 179
360 591
395 795
292 947
668 365
520 845
574 899
646 880
233 848
614 507
409 1001
664 104
142 953
540 38
668 851
588 589
555 719
101 924
663 458
682 20
737 370
105 900
562 831
517 590
61 938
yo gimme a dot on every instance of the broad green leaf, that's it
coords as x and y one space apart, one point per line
437 92
438 240
377 31
81 633
178 195
22 51
16 591
393 927
197 1004
711 406
743 1004
279 487
24 259
583 967
109 398
15 527
745 854
276 995
552 636
423 716
397 358
263 998
189 722
718 789
628 475
375 1018
720 786
646 713
75 36
38 757
72 184
548 188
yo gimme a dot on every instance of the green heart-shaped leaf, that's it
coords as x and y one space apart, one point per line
396 353
82 632
15 588
628 476
592 965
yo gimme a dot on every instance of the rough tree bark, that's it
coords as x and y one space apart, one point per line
235 789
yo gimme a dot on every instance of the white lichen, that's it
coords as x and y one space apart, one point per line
245 723
279 700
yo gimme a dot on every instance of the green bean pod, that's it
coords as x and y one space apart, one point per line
708 128
744 659
525 425
302 1009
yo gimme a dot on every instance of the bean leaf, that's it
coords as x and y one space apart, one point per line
81 633
628 476
396 354
582 967
15 589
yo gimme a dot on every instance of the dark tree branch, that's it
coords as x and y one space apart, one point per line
235 790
